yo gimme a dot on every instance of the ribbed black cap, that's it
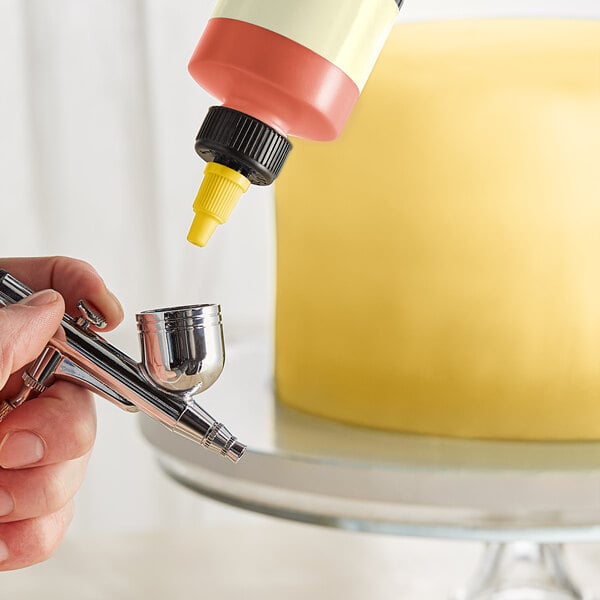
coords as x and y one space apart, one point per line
399 3
242 143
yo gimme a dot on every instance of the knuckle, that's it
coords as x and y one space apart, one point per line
56 492
69 265
84 433
71 413
6 349
47 539
4 363
50 531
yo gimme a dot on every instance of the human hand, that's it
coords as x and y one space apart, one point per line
45 444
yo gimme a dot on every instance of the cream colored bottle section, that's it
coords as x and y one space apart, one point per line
348 33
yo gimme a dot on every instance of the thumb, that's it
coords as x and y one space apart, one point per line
25 328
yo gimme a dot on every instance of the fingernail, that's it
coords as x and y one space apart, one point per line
115 299
20 449
3 551
7 504
40 298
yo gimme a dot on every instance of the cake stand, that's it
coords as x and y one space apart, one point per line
523 500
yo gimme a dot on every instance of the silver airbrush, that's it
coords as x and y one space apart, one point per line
182 355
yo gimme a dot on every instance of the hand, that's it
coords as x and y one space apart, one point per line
45 444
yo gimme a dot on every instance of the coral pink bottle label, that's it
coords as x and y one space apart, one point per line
273 79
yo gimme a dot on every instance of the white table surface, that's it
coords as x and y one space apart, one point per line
253 557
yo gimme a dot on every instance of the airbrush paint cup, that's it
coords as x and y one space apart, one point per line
182 348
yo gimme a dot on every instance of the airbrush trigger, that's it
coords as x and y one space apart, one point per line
36 378
89 317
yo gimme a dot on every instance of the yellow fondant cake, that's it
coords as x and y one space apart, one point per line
438 267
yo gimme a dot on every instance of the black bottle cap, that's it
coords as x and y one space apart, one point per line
243 143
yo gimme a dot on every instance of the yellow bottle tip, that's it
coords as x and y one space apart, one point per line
203 226
219 192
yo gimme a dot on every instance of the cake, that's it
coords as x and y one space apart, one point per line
438 266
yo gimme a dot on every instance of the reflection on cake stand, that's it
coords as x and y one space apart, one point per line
523 500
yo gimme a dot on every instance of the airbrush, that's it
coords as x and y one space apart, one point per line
182 355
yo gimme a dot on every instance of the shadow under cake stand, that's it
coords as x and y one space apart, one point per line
523 500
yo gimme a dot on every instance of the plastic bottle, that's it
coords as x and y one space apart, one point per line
280 68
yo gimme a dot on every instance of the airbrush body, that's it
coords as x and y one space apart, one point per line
182 355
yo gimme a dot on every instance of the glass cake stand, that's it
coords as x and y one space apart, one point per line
523 500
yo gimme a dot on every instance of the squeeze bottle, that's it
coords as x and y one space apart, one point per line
280 68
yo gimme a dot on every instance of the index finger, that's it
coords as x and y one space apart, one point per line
74 279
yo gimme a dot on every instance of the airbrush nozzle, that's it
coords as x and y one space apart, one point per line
197 426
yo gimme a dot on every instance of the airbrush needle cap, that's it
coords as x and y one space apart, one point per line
220 191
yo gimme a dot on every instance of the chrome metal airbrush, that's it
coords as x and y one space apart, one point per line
182 355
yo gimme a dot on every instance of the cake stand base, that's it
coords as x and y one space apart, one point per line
521 571
304 468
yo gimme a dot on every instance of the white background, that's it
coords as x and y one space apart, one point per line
98 117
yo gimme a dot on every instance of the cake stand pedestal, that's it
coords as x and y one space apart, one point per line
521 571
523 500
